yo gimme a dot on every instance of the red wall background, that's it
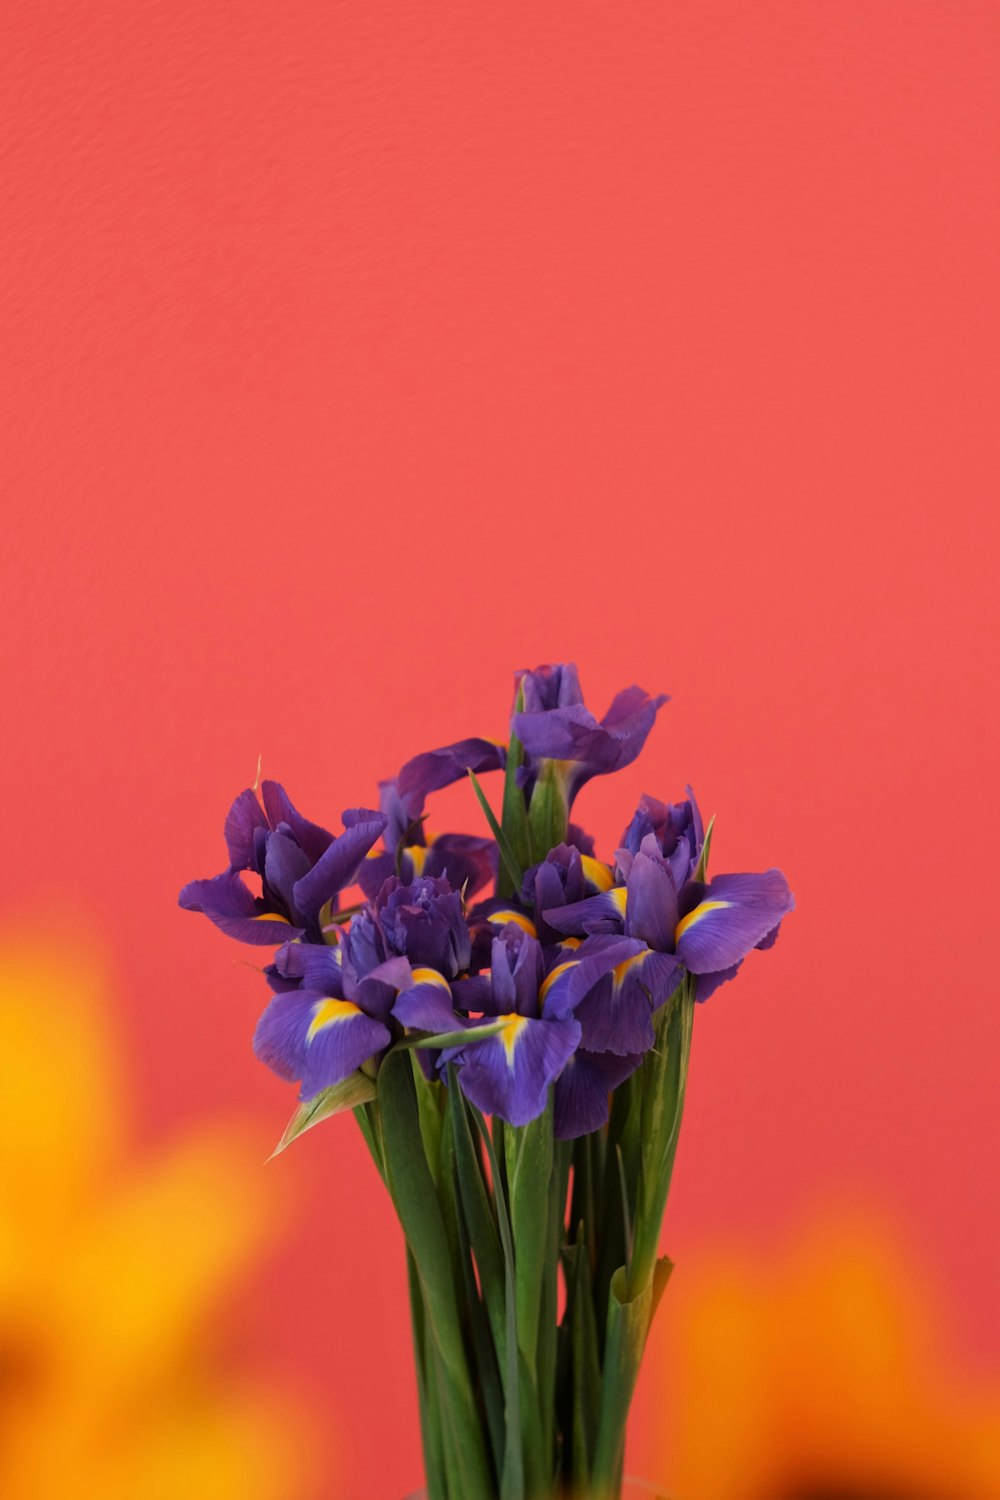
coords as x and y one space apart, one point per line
357 355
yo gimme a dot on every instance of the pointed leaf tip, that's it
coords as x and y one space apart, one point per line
356 1089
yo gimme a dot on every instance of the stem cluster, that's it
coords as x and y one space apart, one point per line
534 1271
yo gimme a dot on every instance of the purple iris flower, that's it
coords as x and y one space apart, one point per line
468 861
509 1074
563 877
424 922
555 725
302 869
337 1019
677 830
705 930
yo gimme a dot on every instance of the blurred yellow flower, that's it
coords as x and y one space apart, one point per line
818 1374
109 1269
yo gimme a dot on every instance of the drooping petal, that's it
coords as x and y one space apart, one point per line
227 902
734 915
243 817
469 862
376 991
582 1089
577 970
427 1004
628 721
315 966
572 733
340 1038
280 809
317 1039
280 1037
509 1075
602 913
616 1014
707 984
435 769
341 862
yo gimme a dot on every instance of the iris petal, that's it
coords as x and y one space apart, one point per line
227 902
435 769
582 1089
338 1047
510 1076
652 902
243 817
427 1005
736 913
280 809
340 864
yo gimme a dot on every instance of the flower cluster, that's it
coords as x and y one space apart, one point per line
550 982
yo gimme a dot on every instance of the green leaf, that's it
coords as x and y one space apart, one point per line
456 1038
665 1069
367 1118
480 1218
512 1475
701 872
430 1416
483 1344
529 1174
429 1103
548 815
624 1152
356 1089
514 820
529 1150
628 1327
586 1363
419 1210
513 869
548 1336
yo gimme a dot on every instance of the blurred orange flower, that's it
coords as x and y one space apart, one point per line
819 1374
109 1271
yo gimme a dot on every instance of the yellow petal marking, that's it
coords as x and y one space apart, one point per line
620 970
570 942
701 910
271 916
430 976
550 979
617 896
513 1026
501 918
597 873
418 857
328 1013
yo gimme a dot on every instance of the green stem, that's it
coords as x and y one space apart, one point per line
635 1291
664 1085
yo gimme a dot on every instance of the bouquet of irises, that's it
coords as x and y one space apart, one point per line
509 1019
